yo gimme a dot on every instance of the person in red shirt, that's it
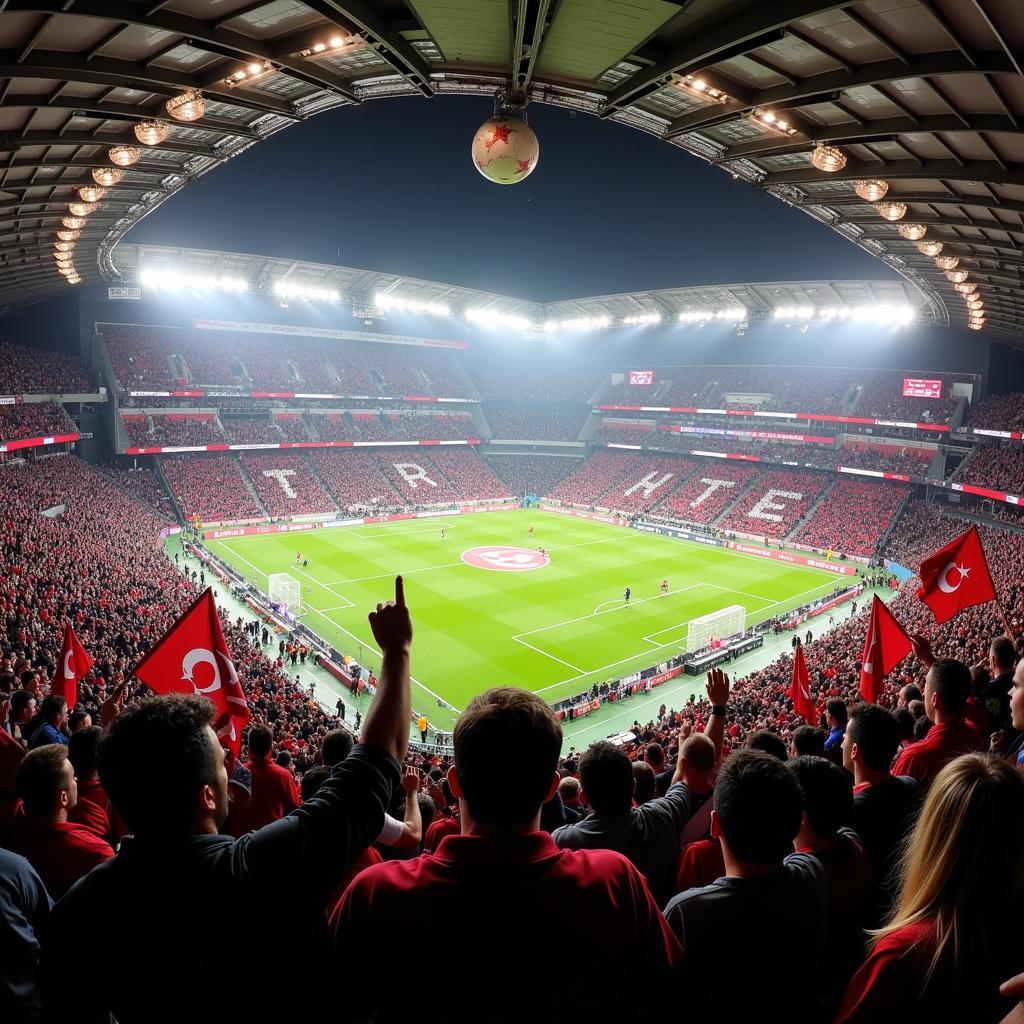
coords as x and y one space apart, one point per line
60 851
951 939
274 793
947 687
92 808
501 882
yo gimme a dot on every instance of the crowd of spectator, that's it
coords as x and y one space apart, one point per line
535 381
535 421
429 427
173 430
416 477
654 479
605 468
292 426
414 370
285 484
909 461
882 397
998 412
995 467
32 371
34 419
853 518
532 474
776 503
354 480
714 486
143 484
629 432
210 486
471 476
251 430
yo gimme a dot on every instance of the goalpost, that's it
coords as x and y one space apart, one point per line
285 590
724 623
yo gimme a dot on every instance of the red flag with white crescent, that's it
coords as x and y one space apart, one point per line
800 689
74 664
956 577
192 657
885 646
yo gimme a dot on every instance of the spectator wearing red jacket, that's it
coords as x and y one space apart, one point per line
501 859
947 687
92 808
59 850
274 793
951 940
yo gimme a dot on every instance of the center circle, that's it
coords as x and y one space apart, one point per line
505 559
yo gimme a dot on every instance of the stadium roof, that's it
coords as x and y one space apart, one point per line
366 288
926 95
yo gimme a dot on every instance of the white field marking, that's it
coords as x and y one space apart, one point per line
597 611
374 532
370 647
338 608
327 587
685 627
553 657
255 568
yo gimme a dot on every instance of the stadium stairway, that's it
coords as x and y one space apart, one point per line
247 480
892 523
809 514
158 463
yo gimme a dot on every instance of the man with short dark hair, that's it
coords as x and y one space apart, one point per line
946 689
53 713
768 894
650 835
836 716
500 880
180 904
78 720
22 711
274 793
885 806
807 741
1001 659
61 851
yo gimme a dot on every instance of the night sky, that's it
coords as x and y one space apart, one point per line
390 186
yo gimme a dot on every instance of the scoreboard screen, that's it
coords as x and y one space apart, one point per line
641 378
914 387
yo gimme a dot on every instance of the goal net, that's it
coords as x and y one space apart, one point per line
284 590
720 625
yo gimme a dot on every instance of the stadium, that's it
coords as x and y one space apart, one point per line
569 514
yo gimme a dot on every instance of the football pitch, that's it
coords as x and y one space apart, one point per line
504 616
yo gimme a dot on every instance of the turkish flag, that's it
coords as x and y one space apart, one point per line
192 657
956 577
800 689
74 663
885 646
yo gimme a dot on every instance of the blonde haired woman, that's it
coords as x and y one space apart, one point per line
950 940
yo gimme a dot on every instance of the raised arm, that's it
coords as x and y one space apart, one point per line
718 695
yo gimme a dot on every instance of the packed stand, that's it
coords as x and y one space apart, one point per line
625 432
776 503
210 486
535 421
654 479
250 430
882 397
997 468
413 474
412 370
473 478
534 382
853 518
429 427
337 426
34 419
532 474
714 486
602 471
142 484
140 355
285 484
908 461
29 371
292 426
823 389
684 386
173 430
354 480
998 412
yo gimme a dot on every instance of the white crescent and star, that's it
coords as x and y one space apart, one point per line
69 672
943 582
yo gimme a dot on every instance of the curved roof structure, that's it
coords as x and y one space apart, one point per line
926 96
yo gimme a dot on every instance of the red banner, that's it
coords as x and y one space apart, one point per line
283 445
37 442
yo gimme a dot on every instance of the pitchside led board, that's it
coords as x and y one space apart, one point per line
915 387
641 378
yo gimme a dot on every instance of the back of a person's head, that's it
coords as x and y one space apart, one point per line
51 707
807 740
962 865
607 778
312 780
876 732
921 728
905 723
768 743
655 754
76 720
41 777
646 781
82 750
337 745
260 741
950 681
569 789
911 692
917 709
507 743
828 795
759 805
1002 653
699 752
20 699
838 710
154 759
283 759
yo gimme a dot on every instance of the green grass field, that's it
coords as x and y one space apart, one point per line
554 630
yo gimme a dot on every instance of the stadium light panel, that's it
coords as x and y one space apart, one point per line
178 280
388 301
498 318
288 290
642 319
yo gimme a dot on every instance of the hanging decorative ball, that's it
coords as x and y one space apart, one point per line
828 158
505 150
872 190
947 262
956 276
911 232
929 248
186 106
91 193
64 246
976 325
124 156
892 211
152 133
73 222
68 236
967 288
107 175
83 209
